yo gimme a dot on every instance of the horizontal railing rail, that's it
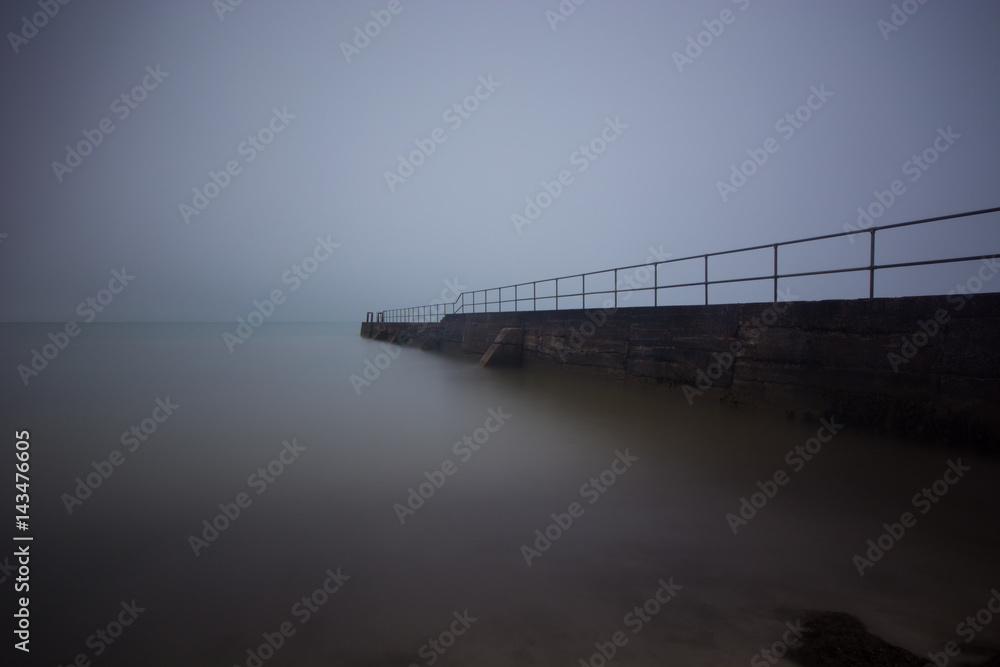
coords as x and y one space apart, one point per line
467 300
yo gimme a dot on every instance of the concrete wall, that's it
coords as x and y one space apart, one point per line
808 358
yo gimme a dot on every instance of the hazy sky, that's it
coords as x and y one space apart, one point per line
309 115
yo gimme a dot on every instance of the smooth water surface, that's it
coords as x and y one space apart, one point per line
358 452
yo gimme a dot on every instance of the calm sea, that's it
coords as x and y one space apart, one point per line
394 523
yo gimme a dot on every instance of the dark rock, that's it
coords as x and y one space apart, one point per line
837 639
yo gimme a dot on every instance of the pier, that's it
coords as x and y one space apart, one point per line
924 366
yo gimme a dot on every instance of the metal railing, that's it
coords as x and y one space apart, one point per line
467 301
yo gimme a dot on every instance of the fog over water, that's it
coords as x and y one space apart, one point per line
203 199
236 135
331 507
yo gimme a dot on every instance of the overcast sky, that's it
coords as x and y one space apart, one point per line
311 117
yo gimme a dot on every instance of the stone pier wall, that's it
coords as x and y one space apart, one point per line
926 366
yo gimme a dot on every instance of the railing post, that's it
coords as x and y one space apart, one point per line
616 289
557 294
534 296
706 280
656 281
775 273
584 289
871 266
